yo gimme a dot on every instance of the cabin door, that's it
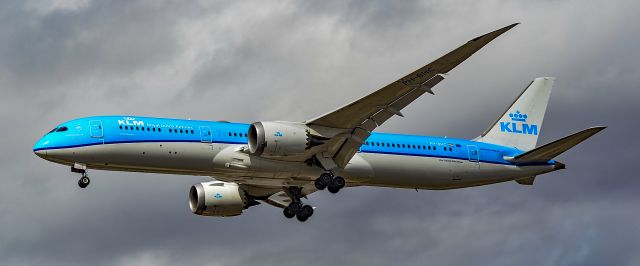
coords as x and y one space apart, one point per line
205 134
474 156
95 129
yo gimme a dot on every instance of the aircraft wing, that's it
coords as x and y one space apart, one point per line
362 116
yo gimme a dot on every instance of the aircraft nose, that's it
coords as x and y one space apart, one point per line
40 153
40 147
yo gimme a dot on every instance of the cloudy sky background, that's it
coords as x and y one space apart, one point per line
287 60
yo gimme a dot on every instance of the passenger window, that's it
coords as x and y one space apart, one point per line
393 145
403 146
180 130
170 130
159 130
229 134
192 131
120 127
245 135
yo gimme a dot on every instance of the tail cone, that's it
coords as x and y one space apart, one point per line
559 165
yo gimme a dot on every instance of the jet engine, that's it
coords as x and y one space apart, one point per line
218 199
281 139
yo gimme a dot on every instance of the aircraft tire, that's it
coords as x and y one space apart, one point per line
288 213
294 207
322 181
304 213
339 182
319 184
84 181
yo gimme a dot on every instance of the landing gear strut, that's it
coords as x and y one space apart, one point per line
327 180
84 180
296 207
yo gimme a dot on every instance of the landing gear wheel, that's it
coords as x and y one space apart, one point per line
322 181
292 209
296 208
336 184
339 182
84 182
304 213
288 213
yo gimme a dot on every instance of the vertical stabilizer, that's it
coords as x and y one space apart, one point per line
520 125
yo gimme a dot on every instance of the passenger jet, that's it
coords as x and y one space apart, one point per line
279 162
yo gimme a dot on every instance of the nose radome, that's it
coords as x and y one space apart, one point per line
40 153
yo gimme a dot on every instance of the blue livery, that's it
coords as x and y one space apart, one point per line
102 130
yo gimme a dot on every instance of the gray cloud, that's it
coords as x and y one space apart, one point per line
288 60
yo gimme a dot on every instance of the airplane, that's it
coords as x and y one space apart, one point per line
280 163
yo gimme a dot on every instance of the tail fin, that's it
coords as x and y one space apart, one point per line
520 125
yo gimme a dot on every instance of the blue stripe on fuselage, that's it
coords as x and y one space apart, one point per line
141 129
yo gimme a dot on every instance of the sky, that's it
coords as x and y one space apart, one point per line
246 61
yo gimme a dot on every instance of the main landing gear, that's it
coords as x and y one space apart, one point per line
84 180
327 180
296 207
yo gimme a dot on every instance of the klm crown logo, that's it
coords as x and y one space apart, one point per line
517 116
278 134
217 196
518 125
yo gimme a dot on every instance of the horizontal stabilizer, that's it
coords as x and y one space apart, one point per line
549 151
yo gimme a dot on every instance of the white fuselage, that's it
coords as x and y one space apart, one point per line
227 162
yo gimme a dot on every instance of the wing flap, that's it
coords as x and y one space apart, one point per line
363 131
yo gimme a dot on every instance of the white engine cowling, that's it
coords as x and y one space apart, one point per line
217 199
279 139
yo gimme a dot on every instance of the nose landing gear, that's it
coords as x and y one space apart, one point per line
84 180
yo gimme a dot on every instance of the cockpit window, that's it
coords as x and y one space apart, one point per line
61 129
54 129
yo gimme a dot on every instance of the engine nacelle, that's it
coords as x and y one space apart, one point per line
280 139
217 199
